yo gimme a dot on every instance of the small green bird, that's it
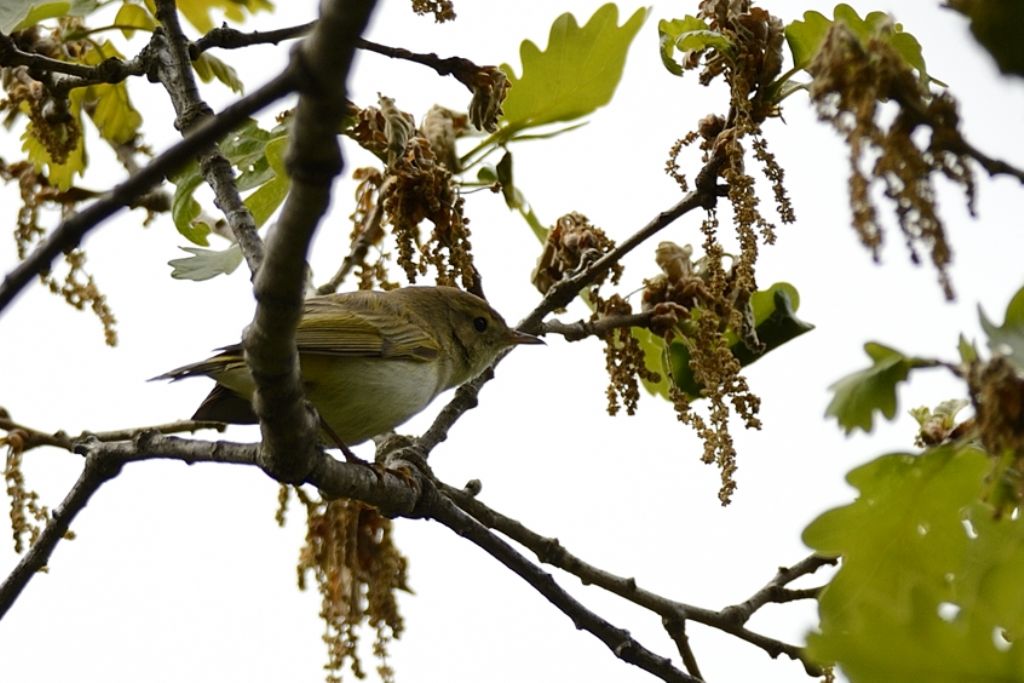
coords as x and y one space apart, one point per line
370 360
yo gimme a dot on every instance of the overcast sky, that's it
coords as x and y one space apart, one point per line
179 573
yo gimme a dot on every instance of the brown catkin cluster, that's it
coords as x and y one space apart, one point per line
443 10
77 287
28 516
358 571
572 244
416 185
694 305
851 80
624 359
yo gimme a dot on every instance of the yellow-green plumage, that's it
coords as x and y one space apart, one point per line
370 360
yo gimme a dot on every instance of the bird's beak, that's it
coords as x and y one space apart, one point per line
516 337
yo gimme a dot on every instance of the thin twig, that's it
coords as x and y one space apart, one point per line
33 438
582 329
550 551
562 292
69 234
622 645
459 67
369 233
776 591
232 39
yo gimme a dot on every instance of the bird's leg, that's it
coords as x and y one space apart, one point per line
351 457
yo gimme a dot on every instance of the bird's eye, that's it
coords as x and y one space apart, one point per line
480 323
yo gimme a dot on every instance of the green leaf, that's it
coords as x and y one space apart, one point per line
209 67
806 37
775 321
131 14
576 74
920 596
689 34
115 117
996 27
514 199
197 12
185 209
265 200
61 163
860 395
653 347
259 156
16 15
1008 339
503 174
968 351
205 263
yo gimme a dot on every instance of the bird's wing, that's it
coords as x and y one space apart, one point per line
329 329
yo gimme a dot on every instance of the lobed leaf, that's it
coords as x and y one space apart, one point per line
209 68
16 15
205 263
806 37
774 311
857 397
929 587
132 15
576 74
198 12
689 34
1007 339
115 117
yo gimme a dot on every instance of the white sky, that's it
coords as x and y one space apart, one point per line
179 573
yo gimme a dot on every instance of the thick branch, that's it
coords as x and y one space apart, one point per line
622 645
288 424
97 470
175 73
69 234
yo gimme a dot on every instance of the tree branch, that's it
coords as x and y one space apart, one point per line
232 39
33 438
705 195
550 551
111 70
288 424
581 329
69 234
622 645
676 629
776 591
174 69
97 470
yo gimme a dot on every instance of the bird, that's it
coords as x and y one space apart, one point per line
369 360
